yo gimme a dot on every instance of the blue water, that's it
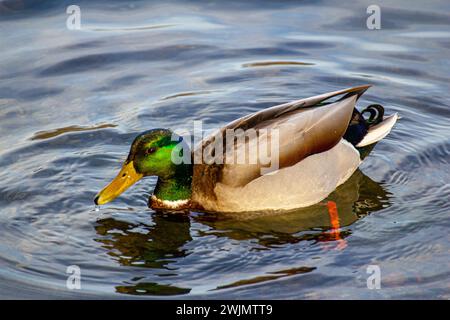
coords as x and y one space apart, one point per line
71 101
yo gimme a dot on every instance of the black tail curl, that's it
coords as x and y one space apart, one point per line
376 114
359 126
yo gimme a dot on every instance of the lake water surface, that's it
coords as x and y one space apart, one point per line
71 102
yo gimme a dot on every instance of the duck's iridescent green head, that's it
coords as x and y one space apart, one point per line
150 155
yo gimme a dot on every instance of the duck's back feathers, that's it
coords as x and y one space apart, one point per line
305 127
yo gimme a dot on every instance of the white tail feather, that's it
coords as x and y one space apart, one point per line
379 131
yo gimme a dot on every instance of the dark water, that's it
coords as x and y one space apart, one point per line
72 101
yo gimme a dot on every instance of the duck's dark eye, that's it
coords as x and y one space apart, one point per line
150 150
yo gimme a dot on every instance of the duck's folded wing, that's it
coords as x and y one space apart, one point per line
277 111
304 127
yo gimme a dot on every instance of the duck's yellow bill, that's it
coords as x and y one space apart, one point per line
126 178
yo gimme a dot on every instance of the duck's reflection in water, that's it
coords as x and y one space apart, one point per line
157 245
151 246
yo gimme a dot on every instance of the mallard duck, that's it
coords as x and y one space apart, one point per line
319 143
